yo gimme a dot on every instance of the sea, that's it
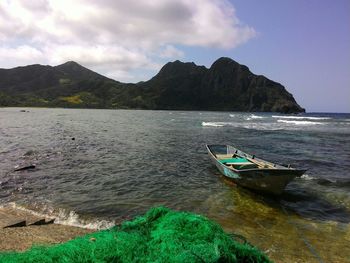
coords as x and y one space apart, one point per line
95 168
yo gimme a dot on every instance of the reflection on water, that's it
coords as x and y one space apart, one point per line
121 163
282 234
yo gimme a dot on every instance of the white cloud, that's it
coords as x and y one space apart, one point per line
122 34
171 52
22 54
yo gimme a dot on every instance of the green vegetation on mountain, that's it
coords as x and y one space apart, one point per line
225 86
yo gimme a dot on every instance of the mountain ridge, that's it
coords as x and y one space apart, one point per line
225 86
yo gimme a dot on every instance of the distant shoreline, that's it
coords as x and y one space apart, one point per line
262 112
139 109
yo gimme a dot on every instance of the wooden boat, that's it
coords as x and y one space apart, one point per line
250 172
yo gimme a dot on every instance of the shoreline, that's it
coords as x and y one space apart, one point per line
161 234
23 238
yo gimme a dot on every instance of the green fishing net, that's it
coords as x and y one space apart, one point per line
161 235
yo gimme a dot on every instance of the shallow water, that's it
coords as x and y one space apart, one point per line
122 162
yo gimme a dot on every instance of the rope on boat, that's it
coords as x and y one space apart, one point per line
303 238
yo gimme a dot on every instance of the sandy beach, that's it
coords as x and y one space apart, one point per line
22 238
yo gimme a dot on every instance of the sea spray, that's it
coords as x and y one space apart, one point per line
64 217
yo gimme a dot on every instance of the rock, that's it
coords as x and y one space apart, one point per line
30 152
226 85
38 223
25 168
41 222
18 224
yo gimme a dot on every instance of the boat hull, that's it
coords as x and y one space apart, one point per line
271 181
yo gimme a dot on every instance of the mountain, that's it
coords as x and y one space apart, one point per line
226 86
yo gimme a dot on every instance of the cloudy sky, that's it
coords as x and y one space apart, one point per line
305 45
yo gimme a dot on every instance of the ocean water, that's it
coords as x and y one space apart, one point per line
98 167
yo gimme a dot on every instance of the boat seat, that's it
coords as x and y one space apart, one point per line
223 156
239 163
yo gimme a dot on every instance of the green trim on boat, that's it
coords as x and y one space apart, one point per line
234 160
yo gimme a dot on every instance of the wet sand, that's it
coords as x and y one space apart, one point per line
22 238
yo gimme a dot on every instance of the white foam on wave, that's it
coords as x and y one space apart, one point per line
300 117
232 115
252 117
254 126
71 218
307 177
256 117
301 122
262 127
68 218
214 124
268 126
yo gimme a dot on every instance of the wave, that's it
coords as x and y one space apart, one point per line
71 218
307 177
301 122
341 183
253 125
280 125
215 124
251 117
300 117
256 117
232 115
262 127
64 217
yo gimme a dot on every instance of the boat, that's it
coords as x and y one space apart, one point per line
251 172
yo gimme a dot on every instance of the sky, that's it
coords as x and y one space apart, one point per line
302 44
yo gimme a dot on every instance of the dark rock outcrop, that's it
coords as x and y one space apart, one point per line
231 86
